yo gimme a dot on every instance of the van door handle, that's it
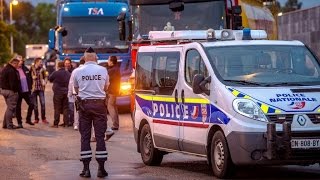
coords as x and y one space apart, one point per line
176 96
182 96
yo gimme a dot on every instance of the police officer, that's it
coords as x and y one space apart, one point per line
91 82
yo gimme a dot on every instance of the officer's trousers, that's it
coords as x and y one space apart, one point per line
94 112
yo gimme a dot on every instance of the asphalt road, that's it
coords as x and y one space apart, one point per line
41 152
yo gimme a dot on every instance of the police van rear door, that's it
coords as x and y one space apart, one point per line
166 109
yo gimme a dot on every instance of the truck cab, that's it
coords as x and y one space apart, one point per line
230 96
97 24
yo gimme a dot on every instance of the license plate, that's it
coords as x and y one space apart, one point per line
305 143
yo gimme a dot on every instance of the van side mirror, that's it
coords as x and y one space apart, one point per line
52 39
122 26
199 84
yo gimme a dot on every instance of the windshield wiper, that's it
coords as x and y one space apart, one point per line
244 82
286 84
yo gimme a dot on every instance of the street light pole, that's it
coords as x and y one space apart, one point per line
1 7
13 2
11 38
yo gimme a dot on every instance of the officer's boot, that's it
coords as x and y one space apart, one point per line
86 170
101 171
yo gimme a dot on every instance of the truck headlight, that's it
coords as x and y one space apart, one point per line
125 88
250 109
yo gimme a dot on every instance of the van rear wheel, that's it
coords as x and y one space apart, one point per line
149 154
221 162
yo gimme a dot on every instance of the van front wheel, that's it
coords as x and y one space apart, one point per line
221 162
149 154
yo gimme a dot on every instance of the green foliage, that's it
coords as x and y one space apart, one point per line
44 16
5 31
291 5
4 49
31 23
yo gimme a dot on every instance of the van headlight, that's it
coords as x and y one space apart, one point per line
250 109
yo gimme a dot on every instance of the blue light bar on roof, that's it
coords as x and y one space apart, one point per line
225 34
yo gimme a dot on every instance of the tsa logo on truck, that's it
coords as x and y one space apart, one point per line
95 11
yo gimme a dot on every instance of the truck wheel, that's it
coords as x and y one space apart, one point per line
221 162
149 154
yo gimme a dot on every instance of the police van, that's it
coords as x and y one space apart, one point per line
232 97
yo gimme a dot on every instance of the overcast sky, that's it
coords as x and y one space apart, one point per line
305 3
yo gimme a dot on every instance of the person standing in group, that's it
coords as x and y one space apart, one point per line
113 90
68 64
73 115
39 78
91 83
10 86
68 67
60 80
25 93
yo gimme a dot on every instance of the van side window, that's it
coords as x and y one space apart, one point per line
144 71
166 72
194 65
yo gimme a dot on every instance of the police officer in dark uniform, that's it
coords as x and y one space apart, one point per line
91 82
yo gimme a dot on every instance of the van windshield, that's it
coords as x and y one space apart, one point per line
265 65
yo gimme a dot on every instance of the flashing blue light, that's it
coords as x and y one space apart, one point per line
246 34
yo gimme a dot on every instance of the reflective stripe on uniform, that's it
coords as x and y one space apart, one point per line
86 156
101 156
85 152
101 152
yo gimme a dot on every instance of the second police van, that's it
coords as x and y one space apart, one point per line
232 97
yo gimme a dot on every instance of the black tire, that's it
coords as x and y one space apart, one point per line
149 154
221 162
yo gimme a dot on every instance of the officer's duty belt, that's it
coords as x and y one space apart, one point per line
92 100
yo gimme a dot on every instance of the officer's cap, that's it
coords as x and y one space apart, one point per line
89 50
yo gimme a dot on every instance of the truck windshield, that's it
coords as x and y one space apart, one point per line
195 16
100 33
265 65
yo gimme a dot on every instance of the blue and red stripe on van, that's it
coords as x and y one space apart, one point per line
195 112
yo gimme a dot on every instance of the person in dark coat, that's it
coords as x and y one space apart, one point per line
25 93
10 86
113 90
60 80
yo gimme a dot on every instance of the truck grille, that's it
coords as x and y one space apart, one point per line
281 118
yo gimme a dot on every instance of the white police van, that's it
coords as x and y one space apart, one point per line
229 96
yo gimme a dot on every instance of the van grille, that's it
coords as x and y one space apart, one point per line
281 118
315 118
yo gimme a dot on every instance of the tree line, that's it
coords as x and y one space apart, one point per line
31 26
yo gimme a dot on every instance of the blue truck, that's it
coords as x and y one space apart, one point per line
101 24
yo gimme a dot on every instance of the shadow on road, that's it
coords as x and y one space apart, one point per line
252 172
4 150
37 132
